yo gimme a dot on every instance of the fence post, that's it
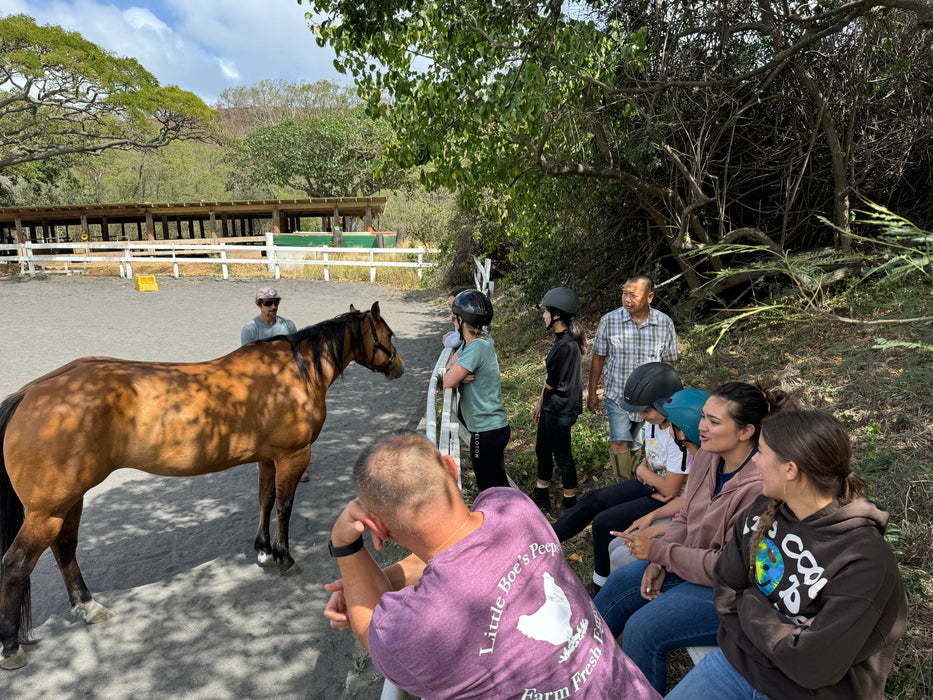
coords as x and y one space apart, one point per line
420 260
30 259
223 259
372 265
270 251
174 263
326 267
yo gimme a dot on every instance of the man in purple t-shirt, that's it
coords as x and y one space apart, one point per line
485 606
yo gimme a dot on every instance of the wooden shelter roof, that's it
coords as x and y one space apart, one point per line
265 208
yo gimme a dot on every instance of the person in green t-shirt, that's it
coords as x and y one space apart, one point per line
474 368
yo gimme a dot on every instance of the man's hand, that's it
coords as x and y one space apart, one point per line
353 522
336 608
592 402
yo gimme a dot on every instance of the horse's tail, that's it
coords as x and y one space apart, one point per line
12 514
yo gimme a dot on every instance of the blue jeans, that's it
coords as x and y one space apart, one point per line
714 677
622 428
683 615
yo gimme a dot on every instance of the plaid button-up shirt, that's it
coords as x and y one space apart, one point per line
627 345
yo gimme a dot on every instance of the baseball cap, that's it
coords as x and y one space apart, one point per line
267 293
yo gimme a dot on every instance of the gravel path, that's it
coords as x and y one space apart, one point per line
193 615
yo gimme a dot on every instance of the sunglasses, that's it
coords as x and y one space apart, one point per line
270 302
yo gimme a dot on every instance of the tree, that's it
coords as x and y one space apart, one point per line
246 108
716 121
333 154
61 95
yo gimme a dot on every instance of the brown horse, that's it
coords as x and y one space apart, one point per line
64 433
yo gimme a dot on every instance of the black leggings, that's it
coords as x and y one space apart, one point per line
487 456
610 508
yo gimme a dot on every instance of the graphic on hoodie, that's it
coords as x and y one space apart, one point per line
769 566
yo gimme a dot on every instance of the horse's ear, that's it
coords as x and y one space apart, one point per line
375 309
352 308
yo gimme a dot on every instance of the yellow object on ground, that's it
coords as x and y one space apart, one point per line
146 283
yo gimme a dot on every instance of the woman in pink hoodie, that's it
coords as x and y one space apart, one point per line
665 601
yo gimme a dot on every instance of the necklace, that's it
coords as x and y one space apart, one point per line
722 469
452 535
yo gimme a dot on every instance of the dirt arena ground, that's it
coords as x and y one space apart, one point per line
193 615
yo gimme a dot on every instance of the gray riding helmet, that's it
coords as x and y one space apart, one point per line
649 383
563 299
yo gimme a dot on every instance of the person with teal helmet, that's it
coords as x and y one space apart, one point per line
659 478
685 408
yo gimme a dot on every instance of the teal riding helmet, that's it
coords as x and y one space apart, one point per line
684 409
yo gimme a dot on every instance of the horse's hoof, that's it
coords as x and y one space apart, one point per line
16 660
293 570
266 560
91 612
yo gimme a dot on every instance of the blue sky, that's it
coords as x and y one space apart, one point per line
200 45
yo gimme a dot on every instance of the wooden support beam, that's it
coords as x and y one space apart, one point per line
104 229
85 229
20 235
150 227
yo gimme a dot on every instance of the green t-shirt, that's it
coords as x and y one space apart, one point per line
481 399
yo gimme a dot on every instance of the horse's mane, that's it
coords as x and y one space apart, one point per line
327 337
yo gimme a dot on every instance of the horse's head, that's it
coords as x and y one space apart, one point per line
377 341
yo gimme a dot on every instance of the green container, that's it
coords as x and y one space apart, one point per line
316 240
302 240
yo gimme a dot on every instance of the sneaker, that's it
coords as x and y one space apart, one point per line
541 497
593 588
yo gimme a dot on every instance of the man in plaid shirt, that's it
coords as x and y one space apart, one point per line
627 338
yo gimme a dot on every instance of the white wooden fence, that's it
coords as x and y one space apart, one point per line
124 254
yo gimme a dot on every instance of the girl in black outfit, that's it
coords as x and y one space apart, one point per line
561 398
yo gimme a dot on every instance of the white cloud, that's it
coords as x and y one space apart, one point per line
200 45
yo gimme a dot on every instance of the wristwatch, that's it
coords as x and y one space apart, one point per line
347 549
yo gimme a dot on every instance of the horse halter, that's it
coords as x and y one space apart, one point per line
377 345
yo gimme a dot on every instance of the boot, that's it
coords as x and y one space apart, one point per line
541 497
623 464
566 503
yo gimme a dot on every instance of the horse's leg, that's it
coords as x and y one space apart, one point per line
17 564
288 468
64 548
262 545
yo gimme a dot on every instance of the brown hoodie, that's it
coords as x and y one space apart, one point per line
701 529
828 608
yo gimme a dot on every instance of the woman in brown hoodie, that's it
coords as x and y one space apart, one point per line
808 592
665 602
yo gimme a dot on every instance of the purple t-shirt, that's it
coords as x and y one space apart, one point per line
501 614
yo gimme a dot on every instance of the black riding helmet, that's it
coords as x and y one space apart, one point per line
649 383
473 307
561 302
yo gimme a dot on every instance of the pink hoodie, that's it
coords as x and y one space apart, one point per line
698 533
